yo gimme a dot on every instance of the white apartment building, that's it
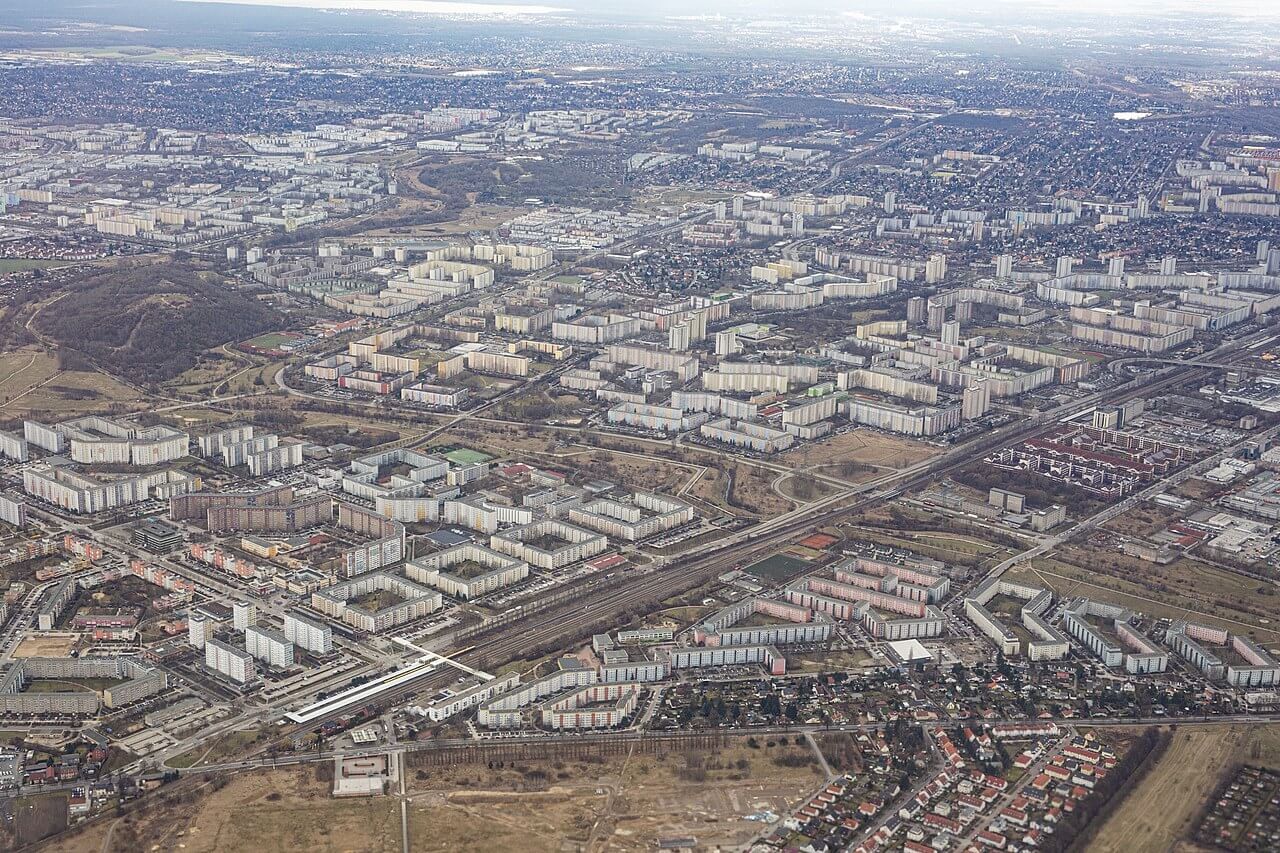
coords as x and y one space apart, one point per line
308 634
269 645
549 544
235 664
467 571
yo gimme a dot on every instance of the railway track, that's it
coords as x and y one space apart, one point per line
562 622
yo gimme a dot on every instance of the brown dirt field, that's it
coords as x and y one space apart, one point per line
865 447
1158 813
44 647
303 817
481 821
656 802
31 381
618 804
1143 520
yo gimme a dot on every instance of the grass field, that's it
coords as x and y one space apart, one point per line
463 456
1157 815
30 380
70 685
271 340
8 265
38 817
776 568
1190 590
224 748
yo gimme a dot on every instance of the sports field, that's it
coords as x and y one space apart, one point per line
775 568
464 456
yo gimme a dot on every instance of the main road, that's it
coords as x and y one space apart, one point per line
565 621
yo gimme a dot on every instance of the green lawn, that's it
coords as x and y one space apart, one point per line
776 568
8 265
464 456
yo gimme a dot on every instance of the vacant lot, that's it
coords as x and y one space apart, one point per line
860 454
281 811
304 818
1185 589
36 646
619 804
223 748
1156 815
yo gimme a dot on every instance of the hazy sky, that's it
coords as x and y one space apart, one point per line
978 9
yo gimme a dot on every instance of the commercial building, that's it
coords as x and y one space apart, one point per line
156 536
